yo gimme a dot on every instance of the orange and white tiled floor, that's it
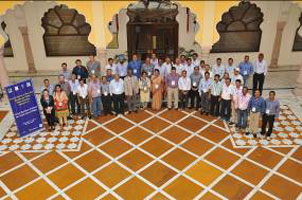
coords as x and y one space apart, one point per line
154 155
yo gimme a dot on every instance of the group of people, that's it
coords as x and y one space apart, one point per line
187 83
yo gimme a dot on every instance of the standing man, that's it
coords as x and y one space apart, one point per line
94 66
148 67
230 67
215 91
161 68
226 100
154 59
236 92
246 70
236 76
167 66
256 108
65 71
219 68
131 91
111 65
135 65
106 97
121 67
82 93
117 93
194 94
172 88
272 110
73 99
184 86
195 60
47 86
178 66
94 92
260 71
204 88
189 67
241 104
79 70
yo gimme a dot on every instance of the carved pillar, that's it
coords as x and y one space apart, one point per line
298 88
28 50
277 44
207 33
99 23
3 73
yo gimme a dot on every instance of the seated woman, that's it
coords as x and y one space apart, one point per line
47 103
61 105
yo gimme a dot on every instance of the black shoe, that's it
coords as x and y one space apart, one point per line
129 112
207 113
136 111
69 117
231 123
255 135
202 112
247 133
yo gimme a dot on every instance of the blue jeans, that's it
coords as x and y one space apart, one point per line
96 106
242 118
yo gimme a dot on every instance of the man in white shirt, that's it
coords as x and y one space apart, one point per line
184 86
167 66
73 100
178 66
260 71
226 99
236 92
195 59
82 93
154 59
117 92
189 67
236 76
219 68
111 65
230 67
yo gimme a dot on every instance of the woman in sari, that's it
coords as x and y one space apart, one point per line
157 90
61 105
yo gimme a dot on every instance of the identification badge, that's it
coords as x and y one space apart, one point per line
145 88
194 84
135 71
74 93
60 104
204 90
173 83
79 77
92 71
245 72
105 93
267 111
99 91
253 109
149 73
156 86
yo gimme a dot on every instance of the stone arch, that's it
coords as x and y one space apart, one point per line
239 29
298 38
66 33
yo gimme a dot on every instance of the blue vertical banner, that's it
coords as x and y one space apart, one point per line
25 108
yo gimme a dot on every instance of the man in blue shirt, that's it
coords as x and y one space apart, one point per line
272 110
256 108
135 65
246 70
80 71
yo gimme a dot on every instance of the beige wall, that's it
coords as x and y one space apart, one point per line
99 13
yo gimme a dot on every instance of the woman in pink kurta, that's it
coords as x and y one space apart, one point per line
157 90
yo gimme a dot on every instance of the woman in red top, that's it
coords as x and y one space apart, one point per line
61 105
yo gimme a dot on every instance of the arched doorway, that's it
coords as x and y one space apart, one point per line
152 27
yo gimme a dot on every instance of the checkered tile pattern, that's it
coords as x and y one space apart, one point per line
287 132
67 138
154 155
